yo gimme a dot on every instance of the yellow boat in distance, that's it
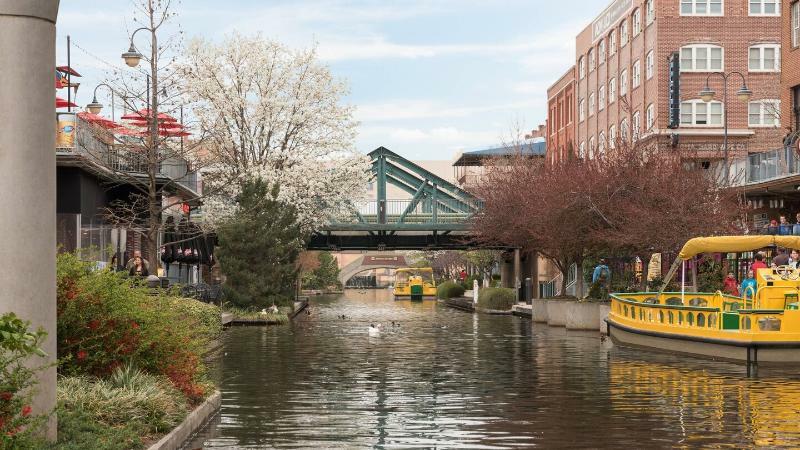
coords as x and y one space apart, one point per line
415 283
759 327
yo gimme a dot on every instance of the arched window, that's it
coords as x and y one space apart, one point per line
581 67
601 52
612 136
612 90
624 129
623 33
591 60
601 98
623 83
601 144
651 11
637 124
582 150
612 42
592 147
649 65
637 22
591 104
650 117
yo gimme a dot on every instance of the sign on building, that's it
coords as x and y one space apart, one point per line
609 18
675 90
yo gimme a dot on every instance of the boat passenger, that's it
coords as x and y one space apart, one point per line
782 259
794 258
749 282
730 286
758 263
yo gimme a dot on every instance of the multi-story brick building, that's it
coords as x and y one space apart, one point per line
641 64
561 117
790 60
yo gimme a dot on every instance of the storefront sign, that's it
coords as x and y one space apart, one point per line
675 90
393 260
609 18
713 147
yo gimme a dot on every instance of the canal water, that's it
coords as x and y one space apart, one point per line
442 378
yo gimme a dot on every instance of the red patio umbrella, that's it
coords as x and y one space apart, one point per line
163 125
61 103
144 114
129 132
99 120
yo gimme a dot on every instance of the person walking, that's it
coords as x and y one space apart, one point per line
138 269
602 275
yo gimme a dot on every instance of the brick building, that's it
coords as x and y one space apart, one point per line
790 60
561 117
623 66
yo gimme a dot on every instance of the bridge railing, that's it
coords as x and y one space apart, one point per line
415 212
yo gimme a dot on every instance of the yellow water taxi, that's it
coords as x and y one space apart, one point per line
759 327
414 283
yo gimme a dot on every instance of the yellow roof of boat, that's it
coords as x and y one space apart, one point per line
414 269
727 244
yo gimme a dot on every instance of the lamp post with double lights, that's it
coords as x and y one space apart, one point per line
707 95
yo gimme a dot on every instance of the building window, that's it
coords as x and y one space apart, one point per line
637 22
612 42
623 83
764 58
581 111
637 125
623 33
650 117
650 65
601 98
591 60
601 144
601 52
582 150
700 113
651 11
636 77
623 129
765 7
796 24
591 104
612 136
581 68
591 147
612 90
701 7
702 58
764 113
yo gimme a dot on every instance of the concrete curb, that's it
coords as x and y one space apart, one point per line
193 422
583 316
522 310
539 311
557 313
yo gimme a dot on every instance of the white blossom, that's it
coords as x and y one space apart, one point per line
277 114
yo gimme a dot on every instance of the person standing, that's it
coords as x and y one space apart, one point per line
794 258
782 259
137 254
602 273
784 227
796 230
758 263
730 286
749 285
138 269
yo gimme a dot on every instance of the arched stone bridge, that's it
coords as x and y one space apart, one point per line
369 262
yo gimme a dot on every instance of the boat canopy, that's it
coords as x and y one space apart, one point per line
414 270
727 244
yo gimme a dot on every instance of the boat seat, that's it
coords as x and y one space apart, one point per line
650 301
733 306
674 301
697 301
769 324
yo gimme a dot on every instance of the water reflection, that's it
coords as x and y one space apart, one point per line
444 378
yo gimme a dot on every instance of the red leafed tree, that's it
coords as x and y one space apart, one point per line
633 201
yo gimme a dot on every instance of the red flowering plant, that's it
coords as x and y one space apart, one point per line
105 321
18 346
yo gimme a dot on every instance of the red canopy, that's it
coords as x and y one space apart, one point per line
129 132
61 103
164 125
99 120
144 114
69 70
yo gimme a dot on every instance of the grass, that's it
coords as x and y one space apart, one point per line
128 399
280 318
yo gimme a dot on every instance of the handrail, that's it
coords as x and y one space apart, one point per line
744 295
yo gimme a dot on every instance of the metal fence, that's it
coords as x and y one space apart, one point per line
408 211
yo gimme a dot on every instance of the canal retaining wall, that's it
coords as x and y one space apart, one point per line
191 425
571 314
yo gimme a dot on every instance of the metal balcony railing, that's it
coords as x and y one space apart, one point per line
127 159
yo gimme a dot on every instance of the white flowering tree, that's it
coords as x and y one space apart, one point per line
277 114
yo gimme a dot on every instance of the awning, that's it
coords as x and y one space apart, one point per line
144 114
61 103
727 244
99 120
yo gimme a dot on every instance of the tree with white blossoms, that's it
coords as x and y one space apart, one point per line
275 114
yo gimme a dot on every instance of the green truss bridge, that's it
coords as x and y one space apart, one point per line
436 216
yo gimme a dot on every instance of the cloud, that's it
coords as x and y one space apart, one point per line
430 109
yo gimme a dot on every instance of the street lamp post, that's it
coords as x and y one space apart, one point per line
95 107
744 94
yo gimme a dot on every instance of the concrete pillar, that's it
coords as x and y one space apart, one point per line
28 175
534 256
506 274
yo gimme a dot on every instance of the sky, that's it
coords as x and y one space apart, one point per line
428 78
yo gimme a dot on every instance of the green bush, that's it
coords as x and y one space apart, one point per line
105 321
448 289
18 371
496 298
77 430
